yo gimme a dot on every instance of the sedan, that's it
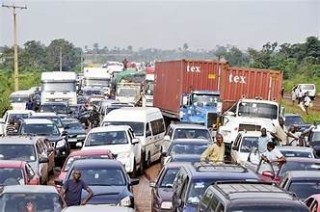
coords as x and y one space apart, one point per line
14 172
107 179
84 154
184 147
75 130
162 189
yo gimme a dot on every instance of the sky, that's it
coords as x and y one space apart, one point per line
166 24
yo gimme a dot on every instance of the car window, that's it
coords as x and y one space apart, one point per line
168 178
11 176
304 189
106 138
170 131
248 143
29 171
196 190
24 152
297 166
206 200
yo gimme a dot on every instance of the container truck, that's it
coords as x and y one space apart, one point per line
97 77
196 91
58 87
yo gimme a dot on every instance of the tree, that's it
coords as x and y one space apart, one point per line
130 48
185 47
96 48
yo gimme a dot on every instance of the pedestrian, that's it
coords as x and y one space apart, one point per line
293 94
215 152
299 95
72 189
273 155
282 92
29 104
279 133
11 128
306 102
263 140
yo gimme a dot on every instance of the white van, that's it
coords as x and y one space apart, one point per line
18 99
310 88
147 124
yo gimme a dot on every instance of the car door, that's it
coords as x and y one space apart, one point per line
43 167
235 148
32 179
136 148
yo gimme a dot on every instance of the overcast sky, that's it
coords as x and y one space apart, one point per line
163 24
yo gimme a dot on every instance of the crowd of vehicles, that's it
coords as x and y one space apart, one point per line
112 140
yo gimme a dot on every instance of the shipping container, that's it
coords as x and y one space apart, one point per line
174 78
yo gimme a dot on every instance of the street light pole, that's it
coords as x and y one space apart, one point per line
15 45
60 59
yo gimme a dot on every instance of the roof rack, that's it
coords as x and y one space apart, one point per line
243 182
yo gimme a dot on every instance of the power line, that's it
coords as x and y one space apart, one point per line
15 45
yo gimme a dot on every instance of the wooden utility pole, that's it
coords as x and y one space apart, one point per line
15 45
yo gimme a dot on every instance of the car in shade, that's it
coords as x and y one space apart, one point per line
82 155
75 130
14 172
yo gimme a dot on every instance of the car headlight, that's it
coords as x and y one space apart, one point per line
61 143
166 205
126 202
124 155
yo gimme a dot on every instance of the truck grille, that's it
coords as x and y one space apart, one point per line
211 119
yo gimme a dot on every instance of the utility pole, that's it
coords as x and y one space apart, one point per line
15 45
60 59
81 62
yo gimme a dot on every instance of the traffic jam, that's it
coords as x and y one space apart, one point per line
218 134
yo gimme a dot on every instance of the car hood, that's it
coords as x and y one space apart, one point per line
165 194
115 149
107 194
55 138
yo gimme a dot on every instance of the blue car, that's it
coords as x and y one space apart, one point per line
107 179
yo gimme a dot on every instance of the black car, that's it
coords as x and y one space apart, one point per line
47 128
297 120
75 130
107 179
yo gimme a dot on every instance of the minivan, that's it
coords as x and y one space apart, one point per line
310 88
147 124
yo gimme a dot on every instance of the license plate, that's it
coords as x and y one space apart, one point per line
72 140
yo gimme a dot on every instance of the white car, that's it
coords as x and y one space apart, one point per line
121 141
15 115
244 143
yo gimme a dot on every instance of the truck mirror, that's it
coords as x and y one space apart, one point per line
185 100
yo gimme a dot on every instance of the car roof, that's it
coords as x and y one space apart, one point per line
21 139
44 114
202 170
96 163
250 133
29 189
295 148
299 159
188 141
87 152
256 190
175 164
187 126
110 128
303 174
37 121
11 163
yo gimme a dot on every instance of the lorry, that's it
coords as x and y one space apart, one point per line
58 87
199 91
149 87
97 77
128 92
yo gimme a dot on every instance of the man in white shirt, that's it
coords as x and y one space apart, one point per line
263 140
273 155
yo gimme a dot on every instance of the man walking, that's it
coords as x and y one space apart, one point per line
72 189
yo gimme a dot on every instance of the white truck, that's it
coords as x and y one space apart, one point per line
128 92
18 99
250 115
59 87
148 90
97 77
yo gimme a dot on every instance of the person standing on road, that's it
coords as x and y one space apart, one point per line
293 94
72 189
215 152
263 140
306 102
29 104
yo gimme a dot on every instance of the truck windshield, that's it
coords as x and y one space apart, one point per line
127 92
59 86
258 110
98 82
205 99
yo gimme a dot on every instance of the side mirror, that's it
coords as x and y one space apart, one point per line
135 141
148 133
58 182
134 181
164 154
64 133
44 160
152 184
166 138
268 174
79 144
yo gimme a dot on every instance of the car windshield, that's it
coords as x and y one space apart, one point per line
300 154
298 166
73 125
25 152
59 86
102 176
192 133
55 119
127 92
71 159
248 143
41 201
315 137
291 120
168 177
39 129
18 99
305 188
106 138
11 176
18 116
267 208
307 87
197 189
92 93
59 109
187 148
258 110
138 127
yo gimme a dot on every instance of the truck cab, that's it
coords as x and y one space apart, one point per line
201 107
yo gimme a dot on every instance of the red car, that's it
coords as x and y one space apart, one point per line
17 172
274 172
313 202
83 154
